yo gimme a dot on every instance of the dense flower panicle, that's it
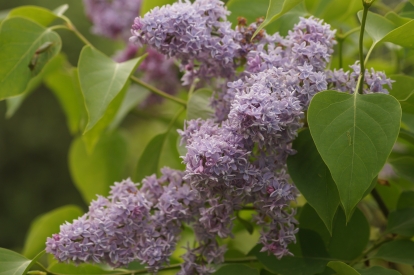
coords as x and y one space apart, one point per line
197 34
130 224
346 81
112 18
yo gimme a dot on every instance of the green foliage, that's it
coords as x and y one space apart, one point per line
101 80
198 105
342 268
20 39
236 269
69 269
94 172
400 251
46 225
401 220
160 151
12 263
313 179
275 10
378 270
148 5
403 90
354 135
37 14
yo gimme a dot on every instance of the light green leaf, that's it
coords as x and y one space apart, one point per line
101 80
20 38
406 200
347 241
12 263
4 14
94 173
402 36
342 268
13 103
378 270
400 251
59 11
38 14
276 9
313 179
354 134
64 83
82 269
198 105
148 5
403 91
161 151
92 137
246 224
396 19
377 26
134 95
46 225
244 8
236 269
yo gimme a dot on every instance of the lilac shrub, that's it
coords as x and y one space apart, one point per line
234 159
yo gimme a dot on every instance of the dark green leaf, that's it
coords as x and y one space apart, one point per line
81 269
347 241
46 225
342 268
276 9
354 135
378 270
148 5
101 80
403 166
20 38
401 251
406 135
198 105
401 222
236 269
403 91
313 179
12 263
94 173
406 200
38 14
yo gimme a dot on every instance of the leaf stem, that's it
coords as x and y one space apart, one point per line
72 28
360 85
380 202
157 91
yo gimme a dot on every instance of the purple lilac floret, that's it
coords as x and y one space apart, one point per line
346 81
197 34
112 19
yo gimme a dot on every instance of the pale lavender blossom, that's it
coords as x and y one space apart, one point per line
346 81
112 19
193 33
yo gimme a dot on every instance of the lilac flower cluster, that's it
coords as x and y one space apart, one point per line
131 224
197 34
234 159
112 19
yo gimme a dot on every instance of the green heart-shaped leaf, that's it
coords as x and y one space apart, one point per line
354 134
20 38
101 80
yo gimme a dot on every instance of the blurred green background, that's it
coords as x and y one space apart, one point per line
34 143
